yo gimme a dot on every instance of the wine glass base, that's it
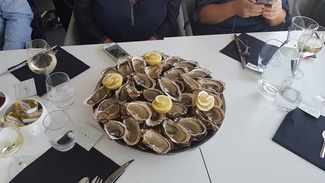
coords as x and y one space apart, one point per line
320 101
15 167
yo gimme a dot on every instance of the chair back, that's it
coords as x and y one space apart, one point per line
73 36
186 13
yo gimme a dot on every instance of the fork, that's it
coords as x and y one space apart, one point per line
97 180
245 52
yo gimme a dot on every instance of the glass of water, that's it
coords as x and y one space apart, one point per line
267 51
60 130
290 94
60 91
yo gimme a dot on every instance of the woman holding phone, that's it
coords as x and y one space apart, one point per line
105 21
227 16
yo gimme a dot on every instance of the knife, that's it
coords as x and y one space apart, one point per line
15 68
118 172
240 53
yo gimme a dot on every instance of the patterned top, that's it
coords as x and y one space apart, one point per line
251 24
15 28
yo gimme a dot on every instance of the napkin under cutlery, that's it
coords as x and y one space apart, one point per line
65 63
67 167
254 44
301 133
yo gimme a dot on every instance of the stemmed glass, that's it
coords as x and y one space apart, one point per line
40 57
11 140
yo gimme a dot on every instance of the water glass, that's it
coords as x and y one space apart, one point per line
290 94
60 90
278 69
60 130
267 51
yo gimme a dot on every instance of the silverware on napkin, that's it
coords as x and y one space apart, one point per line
322 152
118 172
240 53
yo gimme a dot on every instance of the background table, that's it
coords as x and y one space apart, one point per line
242 151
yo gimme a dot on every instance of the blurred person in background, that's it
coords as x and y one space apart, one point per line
15 24
228 16
105 21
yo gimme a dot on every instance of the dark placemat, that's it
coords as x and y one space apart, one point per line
255 48
65 63
302 134
67 167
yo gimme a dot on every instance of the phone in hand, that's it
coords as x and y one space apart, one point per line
265 2
115 51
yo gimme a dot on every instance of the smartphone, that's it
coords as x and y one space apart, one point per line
265 2
115 51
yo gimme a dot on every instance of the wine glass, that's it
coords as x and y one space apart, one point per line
11 140
313 46
300 31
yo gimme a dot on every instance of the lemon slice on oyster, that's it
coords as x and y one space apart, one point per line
112 81
203 101
152 58
162 104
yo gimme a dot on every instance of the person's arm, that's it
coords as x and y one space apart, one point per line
274 14
216 13
18 15
170 23
89 30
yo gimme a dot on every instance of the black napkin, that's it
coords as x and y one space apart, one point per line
254 44
65 63
302 134
67 167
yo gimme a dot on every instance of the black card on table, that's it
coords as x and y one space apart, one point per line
254 44
302 134
65 63
67 167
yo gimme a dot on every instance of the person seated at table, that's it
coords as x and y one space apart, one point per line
227 16
15 24
105 21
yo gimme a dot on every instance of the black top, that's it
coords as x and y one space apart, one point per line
122 20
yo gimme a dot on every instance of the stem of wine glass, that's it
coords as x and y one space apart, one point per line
20 163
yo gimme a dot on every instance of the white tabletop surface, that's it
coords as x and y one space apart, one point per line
242 150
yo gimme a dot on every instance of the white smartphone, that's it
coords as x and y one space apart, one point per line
265 2
115 51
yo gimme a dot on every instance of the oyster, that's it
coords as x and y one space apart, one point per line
138 110
156 142
194 126
212 118
133 131
138 64
168 63
144 80
190 84
187 99
114 129
100 94
153 71
189 64
177 133
150 94
156 118
212 85
170 88
177 110
107 109
125 66
199 73
175 72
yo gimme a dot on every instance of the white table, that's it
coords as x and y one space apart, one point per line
242 151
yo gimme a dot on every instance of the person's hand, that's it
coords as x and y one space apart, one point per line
108 40
248 8
152 38
272 11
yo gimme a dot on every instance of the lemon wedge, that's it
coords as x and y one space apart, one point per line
162 104
112 81
152 58
203 101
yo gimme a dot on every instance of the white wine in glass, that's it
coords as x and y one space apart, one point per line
11 139
40 57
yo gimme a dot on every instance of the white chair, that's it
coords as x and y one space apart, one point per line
73 36
186 12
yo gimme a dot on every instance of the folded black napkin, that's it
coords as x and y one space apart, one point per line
67 167
65 63
254 44
302 134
